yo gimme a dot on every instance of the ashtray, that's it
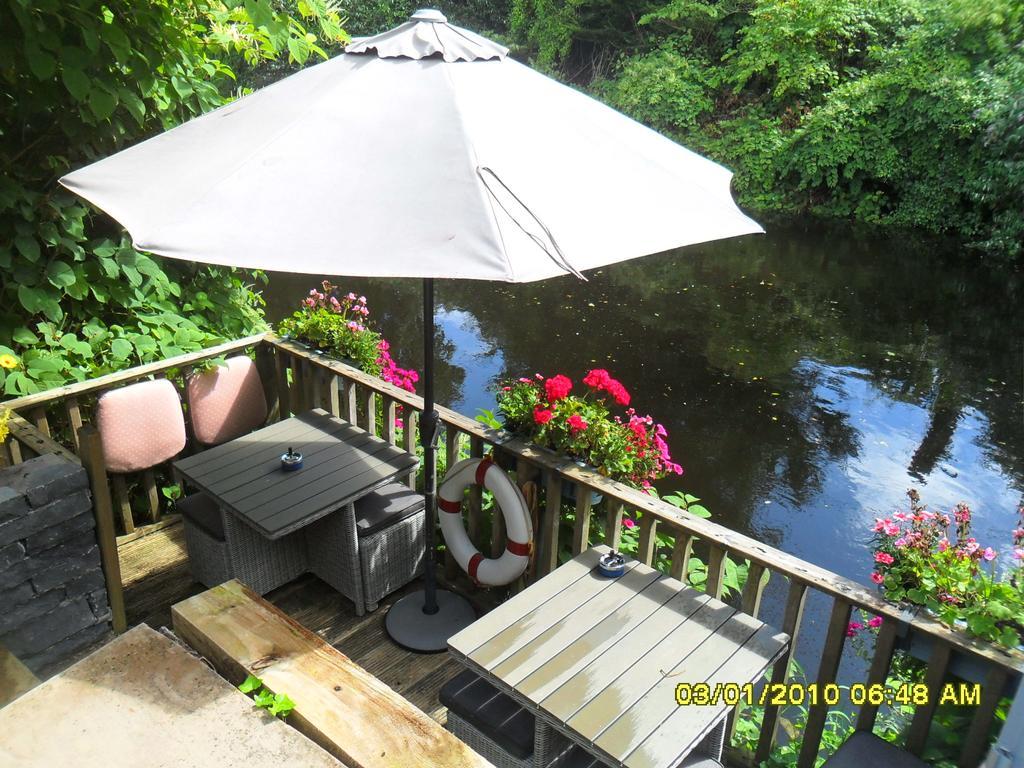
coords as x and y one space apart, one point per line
291 461
611 565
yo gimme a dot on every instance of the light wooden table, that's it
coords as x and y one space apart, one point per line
599 659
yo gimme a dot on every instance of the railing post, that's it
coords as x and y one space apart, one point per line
548 559
879 670
791 618
938 664
827 671
92 459
716 571
648 538
581 528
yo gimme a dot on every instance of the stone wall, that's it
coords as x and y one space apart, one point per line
53 599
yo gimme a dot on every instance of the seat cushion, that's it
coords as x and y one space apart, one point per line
203 511
140 425
386 506
491 712
866 749
226 401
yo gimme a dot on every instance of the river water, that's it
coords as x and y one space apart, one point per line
807 377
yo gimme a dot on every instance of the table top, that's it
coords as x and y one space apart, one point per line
145 701
341 463
599 659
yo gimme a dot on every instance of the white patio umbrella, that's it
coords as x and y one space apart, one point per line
421 152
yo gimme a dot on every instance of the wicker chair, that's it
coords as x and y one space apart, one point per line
371 548
224 403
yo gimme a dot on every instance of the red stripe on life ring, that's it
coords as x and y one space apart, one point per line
481 470
449 506
518 548
474 564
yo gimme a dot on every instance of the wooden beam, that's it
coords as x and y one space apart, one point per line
338 704
103 509
831 655
112 380
32 438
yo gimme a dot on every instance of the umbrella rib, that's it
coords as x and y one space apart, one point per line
560 259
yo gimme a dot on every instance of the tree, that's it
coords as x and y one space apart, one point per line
81 81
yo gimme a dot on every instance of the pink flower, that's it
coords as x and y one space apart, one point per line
353 325
362 299
542 416
877 578
875 622
989 554
557 387
852 627
597 378
628 523
943 544
576 424
884 558
351 297
1018 554
900 543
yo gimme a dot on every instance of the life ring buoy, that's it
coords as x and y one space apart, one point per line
519 530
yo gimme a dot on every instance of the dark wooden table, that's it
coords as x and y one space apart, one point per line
599 659
341 463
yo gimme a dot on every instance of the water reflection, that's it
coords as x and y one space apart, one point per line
807 378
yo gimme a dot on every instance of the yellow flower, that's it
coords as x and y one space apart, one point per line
5 415
8 361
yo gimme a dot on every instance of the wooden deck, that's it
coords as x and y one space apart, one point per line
155 572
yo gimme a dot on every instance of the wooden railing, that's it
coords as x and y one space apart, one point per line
296 378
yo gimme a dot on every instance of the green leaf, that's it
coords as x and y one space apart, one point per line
698 510
32 299
120 349
298 49
134 104
251 683
43 364
77 83
24 336
60 274
264 699
282 706
42 64
102 103
27 247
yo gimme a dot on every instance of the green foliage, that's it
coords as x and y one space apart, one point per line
893 112
81 81
277 704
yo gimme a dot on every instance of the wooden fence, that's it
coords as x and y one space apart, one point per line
296 379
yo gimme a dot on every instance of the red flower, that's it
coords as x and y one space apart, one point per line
557 387
877 578
542 416
576 424
600 380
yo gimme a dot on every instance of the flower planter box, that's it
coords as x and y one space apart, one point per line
962 664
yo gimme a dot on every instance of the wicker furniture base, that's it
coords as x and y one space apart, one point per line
260 563
333 549
487 748
207 556
391 558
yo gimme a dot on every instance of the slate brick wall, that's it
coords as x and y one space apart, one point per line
53 600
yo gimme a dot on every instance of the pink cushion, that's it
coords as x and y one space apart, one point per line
140 425
227 401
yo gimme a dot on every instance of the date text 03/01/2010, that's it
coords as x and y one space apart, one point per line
787 694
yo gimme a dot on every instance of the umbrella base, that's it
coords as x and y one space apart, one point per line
411 628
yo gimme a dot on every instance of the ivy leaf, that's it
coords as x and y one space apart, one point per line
120 349
102 103
282 706
77 83
24 336
264 699
27 247
60 274
251 683
42 64
32 299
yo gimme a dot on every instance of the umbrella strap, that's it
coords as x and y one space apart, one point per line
558 257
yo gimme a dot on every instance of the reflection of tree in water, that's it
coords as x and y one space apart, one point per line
732 345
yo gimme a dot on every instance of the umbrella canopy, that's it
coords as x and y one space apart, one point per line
421 152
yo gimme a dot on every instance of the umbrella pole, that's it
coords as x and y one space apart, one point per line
429 434
423 621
